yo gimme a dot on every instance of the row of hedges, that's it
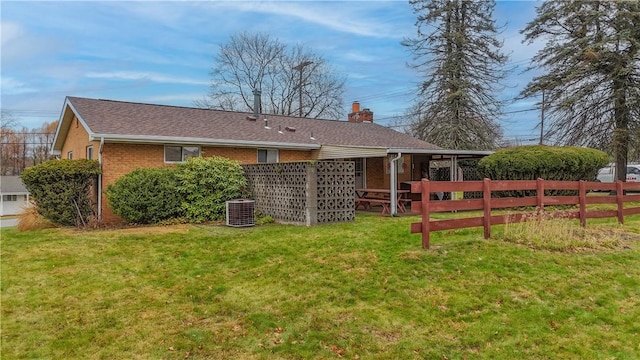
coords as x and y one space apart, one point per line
563 163
196 191
545 162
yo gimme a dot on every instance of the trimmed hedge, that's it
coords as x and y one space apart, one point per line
206 184
146 196
61 190
545 162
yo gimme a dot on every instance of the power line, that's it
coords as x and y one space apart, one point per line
26 143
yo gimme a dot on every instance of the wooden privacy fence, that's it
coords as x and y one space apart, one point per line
577 196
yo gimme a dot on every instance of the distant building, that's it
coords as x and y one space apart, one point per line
14 195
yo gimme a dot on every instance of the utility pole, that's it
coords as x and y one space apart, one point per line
542 119
300 67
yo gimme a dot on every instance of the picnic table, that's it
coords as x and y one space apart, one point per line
368 197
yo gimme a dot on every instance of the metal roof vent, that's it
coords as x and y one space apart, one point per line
240 212
290 129
252 118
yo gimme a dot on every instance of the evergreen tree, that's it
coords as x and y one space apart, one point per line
458 55
591 79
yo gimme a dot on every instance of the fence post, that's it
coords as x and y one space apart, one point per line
540 194
426 195
582 195
486 207
619 200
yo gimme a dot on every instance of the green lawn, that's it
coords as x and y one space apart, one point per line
363 290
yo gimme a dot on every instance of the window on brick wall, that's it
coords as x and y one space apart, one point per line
70 155
267 156
90 152
173 153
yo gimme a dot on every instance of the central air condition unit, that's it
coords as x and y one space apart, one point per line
240 213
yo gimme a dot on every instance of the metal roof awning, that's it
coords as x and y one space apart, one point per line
327 152
442 153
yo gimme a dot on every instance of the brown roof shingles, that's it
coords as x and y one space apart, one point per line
108 117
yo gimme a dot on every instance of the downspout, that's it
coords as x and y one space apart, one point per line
394 187
100 179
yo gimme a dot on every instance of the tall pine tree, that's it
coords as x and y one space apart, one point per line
591 79
458 56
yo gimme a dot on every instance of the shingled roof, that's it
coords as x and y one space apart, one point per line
137 122
12 185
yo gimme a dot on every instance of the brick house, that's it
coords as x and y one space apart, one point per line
124 136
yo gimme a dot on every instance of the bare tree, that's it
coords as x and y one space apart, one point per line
458 55
21 148
7 137
591 78
41 141
293 80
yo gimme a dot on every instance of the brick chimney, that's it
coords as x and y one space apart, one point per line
357 115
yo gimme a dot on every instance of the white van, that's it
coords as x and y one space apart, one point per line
607 174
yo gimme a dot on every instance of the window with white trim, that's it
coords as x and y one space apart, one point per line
175 153
70 155
267 156
9 197
90 152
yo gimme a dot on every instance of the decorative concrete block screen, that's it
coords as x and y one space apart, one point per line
304 193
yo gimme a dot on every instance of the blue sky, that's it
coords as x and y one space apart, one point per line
162 51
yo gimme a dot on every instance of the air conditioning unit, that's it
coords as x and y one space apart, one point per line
240 213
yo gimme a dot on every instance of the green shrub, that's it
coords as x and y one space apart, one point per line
262 218
146 196
206 184
562 163
61 190
545 162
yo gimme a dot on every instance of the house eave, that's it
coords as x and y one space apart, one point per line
144 139
63 126
441 152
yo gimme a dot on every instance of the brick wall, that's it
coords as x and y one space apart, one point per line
77 141
375 173
377 176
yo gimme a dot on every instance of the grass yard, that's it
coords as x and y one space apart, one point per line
363 290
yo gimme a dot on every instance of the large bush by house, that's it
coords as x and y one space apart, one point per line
61 190
206 184
545 162
146 196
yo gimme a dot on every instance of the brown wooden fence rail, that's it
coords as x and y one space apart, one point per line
490 202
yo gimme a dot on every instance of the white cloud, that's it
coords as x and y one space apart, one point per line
10 32
135 75
19 45
347 17
12 86
359 56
